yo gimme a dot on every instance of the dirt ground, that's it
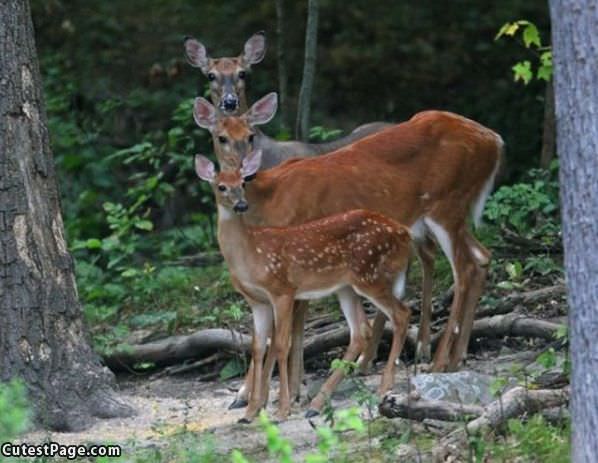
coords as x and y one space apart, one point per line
168 405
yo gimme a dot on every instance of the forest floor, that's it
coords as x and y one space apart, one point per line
185 417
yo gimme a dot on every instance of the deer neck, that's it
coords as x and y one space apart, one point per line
235 240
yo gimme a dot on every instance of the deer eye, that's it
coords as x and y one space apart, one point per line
222 187
251 137
211 76
241 75
222 139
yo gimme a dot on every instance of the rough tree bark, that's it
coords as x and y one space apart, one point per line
309 70
42 338
575 48
281 55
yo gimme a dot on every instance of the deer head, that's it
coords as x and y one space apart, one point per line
234 137
229 186
227 75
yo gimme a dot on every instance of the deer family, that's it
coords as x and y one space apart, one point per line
274 266
430 173
227 81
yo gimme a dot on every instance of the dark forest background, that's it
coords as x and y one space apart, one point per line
119 95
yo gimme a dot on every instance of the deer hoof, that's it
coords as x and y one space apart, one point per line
244 420
238 403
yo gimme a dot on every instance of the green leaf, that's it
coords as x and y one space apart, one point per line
531 36
561 332
544 73
507 29
144 225
514 270
130 273
237 457
547 359
523 71
233 368
93 243
144 366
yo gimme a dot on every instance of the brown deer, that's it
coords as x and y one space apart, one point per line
430 173
274 266
227 80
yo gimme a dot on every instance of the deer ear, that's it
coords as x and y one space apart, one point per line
262 110
251 163
204 168
255 49
204 113
196 54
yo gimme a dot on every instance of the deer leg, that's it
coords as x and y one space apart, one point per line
387 303
426 251
296 365
371 348
454 244
243 392
360 332
268 369
262 321
477 280
283 322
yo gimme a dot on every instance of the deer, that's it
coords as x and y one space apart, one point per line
227 78
430 173
274 266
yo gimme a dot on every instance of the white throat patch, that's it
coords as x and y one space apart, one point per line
224 213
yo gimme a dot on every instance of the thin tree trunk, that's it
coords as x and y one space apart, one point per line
282 63
575 48
549 132
42 338
309 70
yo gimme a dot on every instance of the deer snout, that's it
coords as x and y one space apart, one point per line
229 102
241 206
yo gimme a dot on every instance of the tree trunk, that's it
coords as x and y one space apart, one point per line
309 69
281 54
549 132
42 338
575 48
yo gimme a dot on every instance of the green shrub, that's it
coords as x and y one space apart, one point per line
14 413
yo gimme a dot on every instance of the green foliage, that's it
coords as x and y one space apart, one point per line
530 207
533 440
321 134
531 39
14 411
331 447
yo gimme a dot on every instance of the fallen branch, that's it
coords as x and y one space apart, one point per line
414 408
525 298
511 324
187 367
177 349
514 403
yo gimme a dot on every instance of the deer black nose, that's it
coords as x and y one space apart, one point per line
241 206
230 102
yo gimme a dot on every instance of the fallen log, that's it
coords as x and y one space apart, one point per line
514 403
525 298
176 349
511 324
412 407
